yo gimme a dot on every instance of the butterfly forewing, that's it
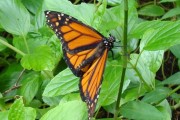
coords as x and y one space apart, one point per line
79 41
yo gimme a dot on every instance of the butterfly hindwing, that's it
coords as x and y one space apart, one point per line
90 82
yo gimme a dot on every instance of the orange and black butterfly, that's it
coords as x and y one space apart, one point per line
85 52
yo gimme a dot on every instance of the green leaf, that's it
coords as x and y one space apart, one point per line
19 112
154 60
110 84
171 13
15 18
83 12
41 59
52 101
32 42
33 5
63 83
172 80
142 70
151 97
30 113
73 110
140 111
151 10
142 27
175 50
162 38
4 115
30 85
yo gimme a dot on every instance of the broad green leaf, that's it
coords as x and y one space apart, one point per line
41 59
165 108
14 17
4 115
141 28
141 68
71 97
33 5
154 60
138 110
175 50
165 113
151 10
83 12
73 110
151 97
30 113
132 92
63 83
110 84
19 112
52 101
32 43
171 13
172 80
30 85
162 38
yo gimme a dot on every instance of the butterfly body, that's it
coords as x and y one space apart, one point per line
85 52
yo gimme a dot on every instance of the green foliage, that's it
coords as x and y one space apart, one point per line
35 82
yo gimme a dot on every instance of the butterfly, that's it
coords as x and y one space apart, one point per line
85 52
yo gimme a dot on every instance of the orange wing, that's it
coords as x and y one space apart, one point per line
91 82
85 51
79 41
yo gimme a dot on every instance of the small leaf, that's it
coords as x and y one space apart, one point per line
63 83
41 59
161 92
73 110
151 10
19 112
33 5
175 50
30 85
140 111
142 70
14 17
171 13
172 80
162 38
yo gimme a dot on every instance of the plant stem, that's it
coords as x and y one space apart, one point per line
12 47
124 59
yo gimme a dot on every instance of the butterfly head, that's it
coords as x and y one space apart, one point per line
108 42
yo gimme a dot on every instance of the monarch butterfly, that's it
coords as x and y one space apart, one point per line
85 52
